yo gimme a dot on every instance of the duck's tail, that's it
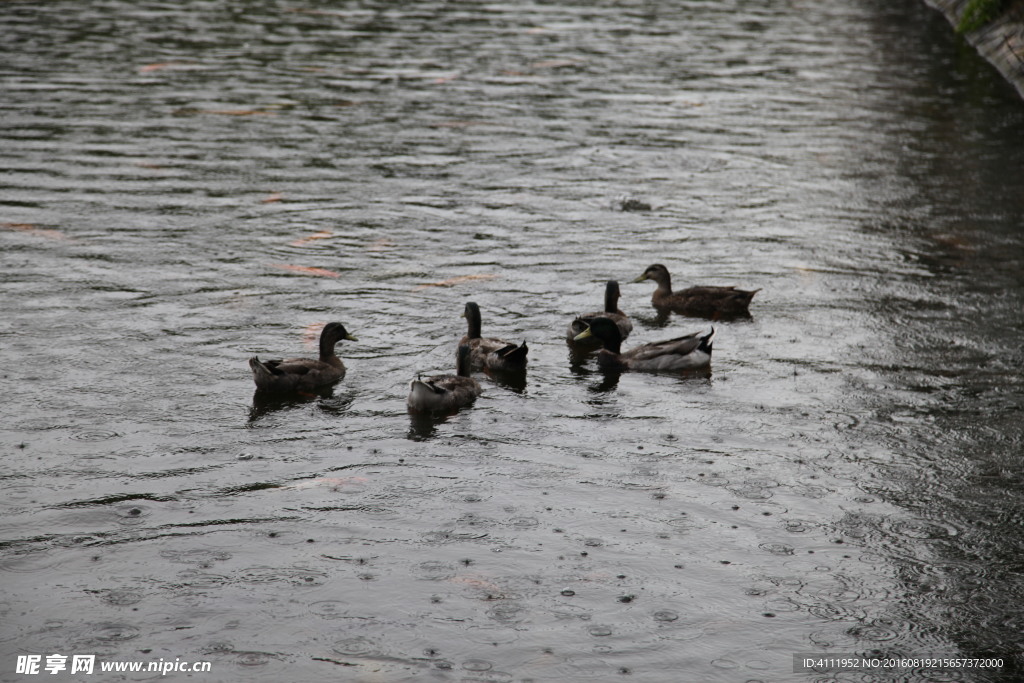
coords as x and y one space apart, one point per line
515 355
706 341
260 372
423 395
420 386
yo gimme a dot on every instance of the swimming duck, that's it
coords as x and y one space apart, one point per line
707 302
692 352
303 374
487 352
611 311
442 393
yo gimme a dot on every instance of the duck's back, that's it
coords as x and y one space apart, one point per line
707 300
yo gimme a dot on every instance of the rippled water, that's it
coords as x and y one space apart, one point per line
186 186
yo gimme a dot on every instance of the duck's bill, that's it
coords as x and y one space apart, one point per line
351 337
641 278
582 335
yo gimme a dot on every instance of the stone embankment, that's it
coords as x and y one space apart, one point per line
995 28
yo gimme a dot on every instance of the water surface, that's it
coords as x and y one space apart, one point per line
186 186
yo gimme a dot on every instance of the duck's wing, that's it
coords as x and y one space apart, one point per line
268 375
496 353
487 345
434 385
707 292
720 295
292 366
455 384
682 353
680 346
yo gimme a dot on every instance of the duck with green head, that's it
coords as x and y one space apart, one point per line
611 311
701 301
692 352
303 374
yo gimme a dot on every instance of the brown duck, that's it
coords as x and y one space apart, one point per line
303 374
488 353
704 302
444 393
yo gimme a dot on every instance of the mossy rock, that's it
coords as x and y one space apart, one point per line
978 13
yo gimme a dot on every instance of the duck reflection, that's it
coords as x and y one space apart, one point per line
423 426
578 366
609 382
267 402
513 380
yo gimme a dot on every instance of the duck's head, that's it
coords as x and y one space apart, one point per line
334 333
604 329
656 272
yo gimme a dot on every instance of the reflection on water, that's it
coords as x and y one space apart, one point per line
264 402
183 185
510 380
423 426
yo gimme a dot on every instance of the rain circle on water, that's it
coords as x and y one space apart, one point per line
95 435
122 597
874 632
923 530
128 515
477 665
359 645
115 633
433 570
329 609
248 659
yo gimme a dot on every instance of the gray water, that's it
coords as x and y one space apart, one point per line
185 185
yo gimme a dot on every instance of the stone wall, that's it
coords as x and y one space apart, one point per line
1000 41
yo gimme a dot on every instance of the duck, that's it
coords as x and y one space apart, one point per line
611 311
303 374
488 353
692 352
702 301
444 393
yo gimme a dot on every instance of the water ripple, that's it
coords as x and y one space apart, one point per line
923 529
296 576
